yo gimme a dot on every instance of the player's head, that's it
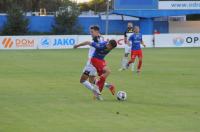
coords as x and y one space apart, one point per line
94 31
112 44
130 25
136 29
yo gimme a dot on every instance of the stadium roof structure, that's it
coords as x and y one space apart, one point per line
155 13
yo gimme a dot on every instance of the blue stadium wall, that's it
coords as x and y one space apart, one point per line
44 24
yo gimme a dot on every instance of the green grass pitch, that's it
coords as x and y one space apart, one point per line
40 92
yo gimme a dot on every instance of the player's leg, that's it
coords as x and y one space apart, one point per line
128 50
124 62
93 79
125 58
83 80
103 73
140 56
111 87
133 64
132 60
85 76
93 74
87 84
139 65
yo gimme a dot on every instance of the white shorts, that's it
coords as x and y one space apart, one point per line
90 69
127 49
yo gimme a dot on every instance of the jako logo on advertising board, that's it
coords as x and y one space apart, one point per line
25 43
178 41
45 42
7 42
64 42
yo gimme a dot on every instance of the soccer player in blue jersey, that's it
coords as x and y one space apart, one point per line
136 40
97 60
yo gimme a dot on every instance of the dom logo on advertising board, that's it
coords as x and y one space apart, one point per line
7 42
25 43
18 43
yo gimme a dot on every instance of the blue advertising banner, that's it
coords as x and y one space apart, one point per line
135 4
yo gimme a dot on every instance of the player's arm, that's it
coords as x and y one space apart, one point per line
143 44
82 44
98 45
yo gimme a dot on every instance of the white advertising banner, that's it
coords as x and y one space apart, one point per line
58 41
148 39
177 40
18 42
179 5
83 38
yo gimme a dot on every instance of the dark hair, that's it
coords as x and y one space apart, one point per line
113 43
95 27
